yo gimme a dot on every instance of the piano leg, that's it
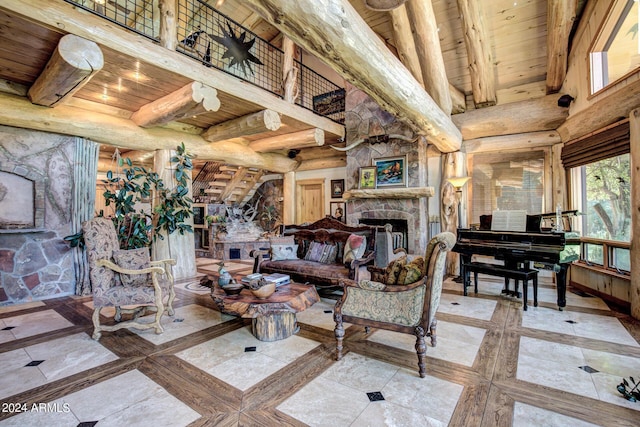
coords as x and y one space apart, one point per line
561 285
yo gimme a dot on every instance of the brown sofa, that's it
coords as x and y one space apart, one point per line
326 230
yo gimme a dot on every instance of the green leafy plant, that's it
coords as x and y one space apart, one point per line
171 208
632 394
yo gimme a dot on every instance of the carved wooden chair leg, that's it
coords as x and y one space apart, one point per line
339 333
432 331
96 323
339 330
421 350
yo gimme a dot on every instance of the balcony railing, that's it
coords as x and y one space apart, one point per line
217 41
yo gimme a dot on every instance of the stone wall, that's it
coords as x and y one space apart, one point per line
364 118
36 263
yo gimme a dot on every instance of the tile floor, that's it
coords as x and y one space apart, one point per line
566 365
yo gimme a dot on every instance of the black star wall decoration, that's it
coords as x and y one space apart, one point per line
237 48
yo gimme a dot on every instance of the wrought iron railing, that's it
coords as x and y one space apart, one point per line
140 16
218 41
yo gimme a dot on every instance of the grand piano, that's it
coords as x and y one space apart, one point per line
538 244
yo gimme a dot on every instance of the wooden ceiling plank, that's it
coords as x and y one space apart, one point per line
74 62
251 124
191 100
479 56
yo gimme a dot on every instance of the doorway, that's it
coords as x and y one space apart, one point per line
309 200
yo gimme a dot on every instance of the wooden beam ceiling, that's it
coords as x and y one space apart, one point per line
333 31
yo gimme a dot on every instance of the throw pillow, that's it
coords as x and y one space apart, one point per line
315 251
394 269
133 259
411 272
282 252
329 254
354 248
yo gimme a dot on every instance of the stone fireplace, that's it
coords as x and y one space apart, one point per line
406 210
36 183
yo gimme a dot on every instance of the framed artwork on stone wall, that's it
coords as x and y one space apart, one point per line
391 171
367 177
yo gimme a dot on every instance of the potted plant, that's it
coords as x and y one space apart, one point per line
170 208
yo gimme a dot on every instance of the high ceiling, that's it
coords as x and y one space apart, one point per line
517 32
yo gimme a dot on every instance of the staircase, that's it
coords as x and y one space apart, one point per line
231 184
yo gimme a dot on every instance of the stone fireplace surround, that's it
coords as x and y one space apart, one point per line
365 118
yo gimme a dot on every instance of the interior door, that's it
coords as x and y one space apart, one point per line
309 200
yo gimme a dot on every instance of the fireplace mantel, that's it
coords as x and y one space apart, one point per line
390 193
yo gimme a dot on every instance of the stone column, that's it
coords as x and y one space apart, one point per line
180 247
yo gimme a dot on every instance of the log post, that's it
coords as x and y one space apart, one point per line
306 138
191 100
425 35
481 67
168 26
289 71
74 62
634 129
289 194
453 165
251 124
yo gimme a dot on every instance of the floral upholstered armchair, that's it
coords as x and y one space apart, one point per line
403 299
125 278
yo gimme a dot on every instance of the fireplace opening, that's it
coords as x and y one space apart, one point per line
399 230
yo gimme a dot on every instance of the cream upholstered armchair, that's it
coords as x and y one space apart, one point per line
125 278
404 300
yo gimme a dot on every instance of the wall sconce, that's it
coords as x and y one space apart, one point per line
458 182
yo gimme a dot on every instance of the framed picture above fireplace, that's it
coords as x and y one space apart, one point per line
391 171
367 177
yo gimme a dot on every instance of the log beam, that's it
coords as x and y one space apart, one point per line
123 133
480 59
560 17
602 111
74 62
251 124
529 140
325 163
190 100
425 34
406 47
302 139
333 31
538 114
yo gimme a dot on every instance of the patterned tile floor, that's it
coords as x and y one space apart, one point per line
494 365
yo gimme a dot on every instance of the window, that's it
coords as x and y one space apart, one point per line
616 51
507 181
603 190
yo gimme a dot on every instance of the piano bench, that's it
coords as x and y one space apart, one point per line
508 273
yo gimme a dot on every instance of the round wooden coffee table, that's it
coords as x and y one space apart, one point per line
273 318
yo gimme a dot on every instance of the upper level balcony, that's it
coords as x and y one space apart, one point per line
201 78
